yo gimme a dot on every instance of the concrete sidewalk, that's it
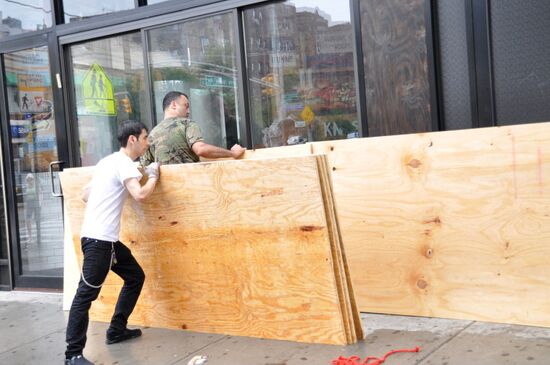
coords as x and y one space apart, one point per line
32 331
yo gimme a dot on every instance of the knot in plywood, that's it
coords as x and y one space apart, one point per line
422 284
414 163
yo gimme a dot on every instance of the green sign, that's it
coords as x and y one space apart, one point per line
97 90
217 81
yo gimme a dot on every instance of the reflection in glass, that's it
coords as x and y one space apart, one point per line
18 17
34 146
76 10
301 72
109 88
4 267
396 69
198 58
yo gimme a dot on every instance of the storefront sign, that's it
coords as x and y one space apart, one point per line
217 81
32 90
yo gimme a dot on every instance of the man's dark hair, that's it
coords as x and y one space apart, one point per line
129 128
170 97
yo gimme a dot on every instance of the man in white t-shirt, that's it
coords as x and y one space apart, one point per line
114 177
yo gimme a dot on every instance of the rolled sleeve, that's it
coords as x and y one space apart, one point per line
193 133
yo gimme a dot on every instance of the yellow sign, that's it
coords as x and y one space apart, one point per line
307 115
98 92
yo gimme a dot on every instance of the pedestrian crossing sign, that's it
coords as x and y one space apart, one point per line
97 92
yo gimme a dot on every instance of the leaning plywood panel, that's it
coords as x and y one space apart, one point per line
450 224
336 254
234 247
351 313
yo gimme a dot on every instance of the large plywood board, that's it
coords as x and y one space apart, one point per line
233 247
450 224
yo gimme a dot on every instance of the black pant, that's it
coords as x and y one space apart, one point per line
97 256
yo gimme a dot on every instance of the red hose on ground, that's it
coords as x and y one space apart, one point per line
369 360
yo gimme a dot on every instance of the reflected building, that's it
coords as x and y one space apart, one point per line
301 75
9 26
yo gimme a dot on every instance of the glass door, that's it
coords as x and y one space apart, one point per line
30 136
107 86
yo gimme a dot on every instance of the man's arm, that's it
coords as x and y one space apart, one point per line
203 149
138 192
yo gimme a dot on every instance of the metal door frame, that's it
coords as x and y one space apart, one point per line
49 40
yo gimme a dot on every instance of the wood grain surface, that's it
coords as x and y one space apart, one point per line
233 247
449 224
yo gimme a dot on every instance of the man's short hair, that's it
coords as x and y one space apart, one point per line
170 97
129 128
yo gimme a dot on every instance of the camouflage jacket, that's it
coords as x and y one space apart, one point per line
170 142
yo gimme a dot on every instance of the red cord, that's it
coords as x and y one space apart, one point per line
369 360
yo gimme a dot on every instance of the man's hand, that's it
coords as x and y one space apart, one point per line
152 170
237 151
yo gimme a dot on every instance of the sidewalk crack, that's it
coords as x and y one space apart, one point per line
196 352
421 360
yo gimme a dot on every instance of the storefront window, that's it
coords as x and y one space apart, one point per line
108 76
301 73
33 144
197 57
76 10
18 17
396 70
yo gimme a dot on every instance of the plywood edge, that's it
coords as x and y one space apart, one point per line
336 254
70 265
354 311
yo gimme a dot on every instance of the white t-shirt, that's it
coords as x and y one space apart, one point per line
107 196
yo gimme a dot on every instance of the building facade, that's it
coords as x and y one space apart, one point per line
258 73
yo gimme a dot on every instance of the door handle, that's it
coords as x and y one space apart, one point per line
52 164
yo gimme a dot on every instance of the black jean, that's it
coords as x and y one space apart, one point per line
97 257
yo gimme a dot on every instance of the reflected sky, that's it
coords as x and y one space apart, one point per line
31 13
338 11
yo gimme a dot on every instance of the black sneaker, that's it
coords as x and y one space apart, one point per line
114 337
78 360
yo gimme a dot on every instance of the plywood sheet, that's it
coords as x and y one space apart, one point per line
450 224
235 247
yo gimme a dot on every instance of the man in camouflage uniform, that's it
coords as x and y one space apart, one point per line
177 139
